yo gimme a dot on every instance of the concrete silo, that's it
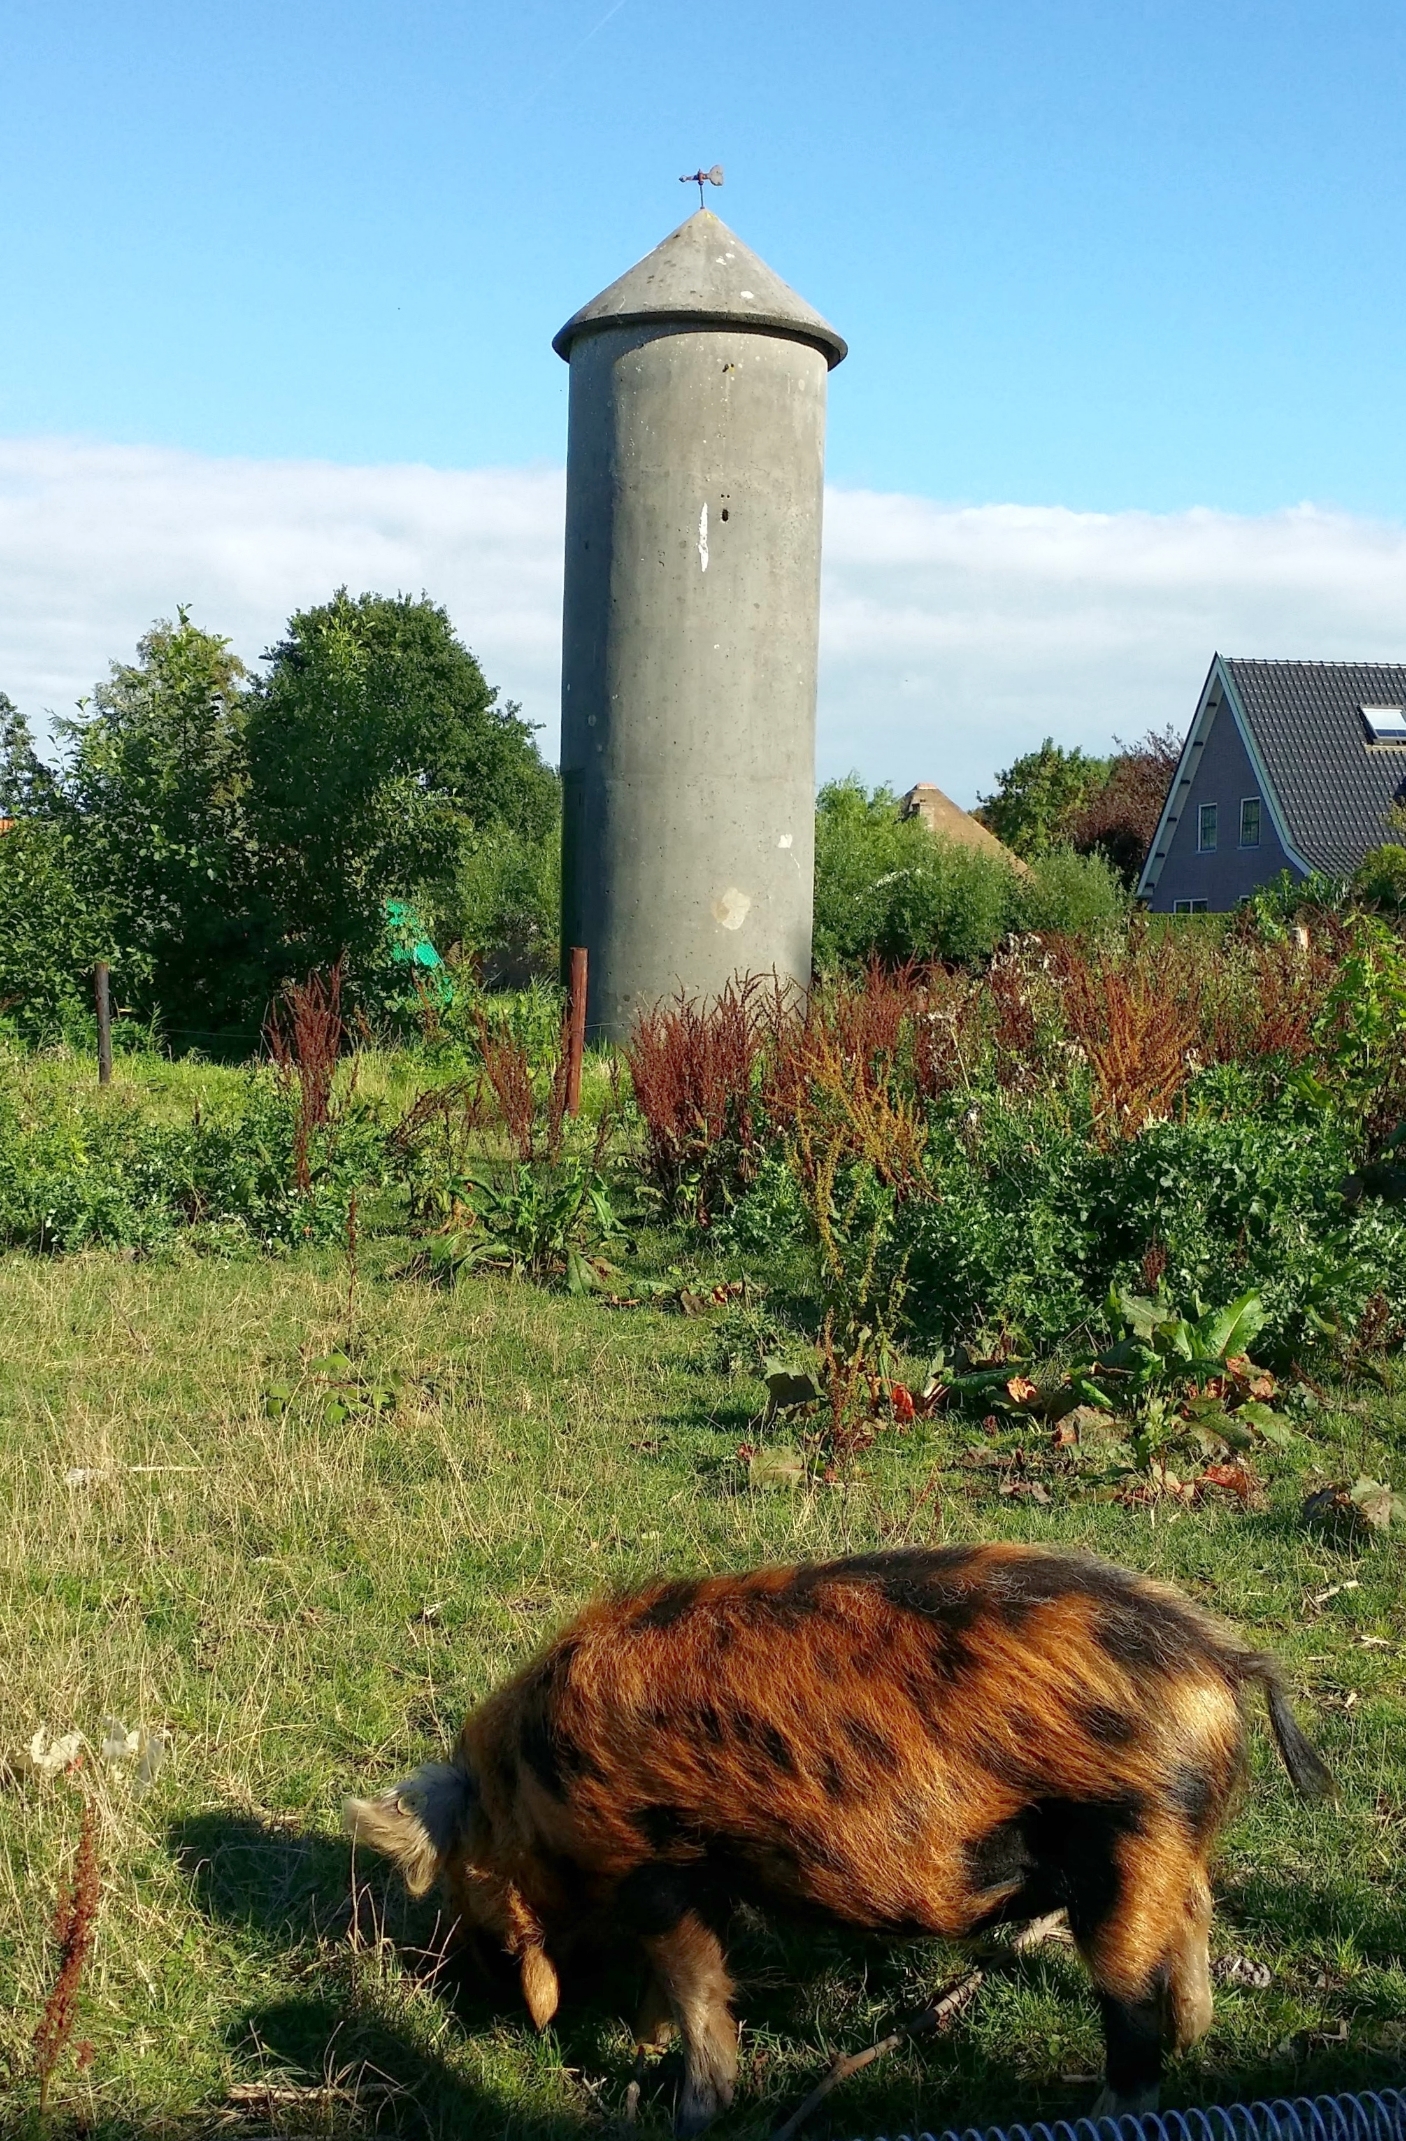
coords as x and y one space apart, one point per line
694 482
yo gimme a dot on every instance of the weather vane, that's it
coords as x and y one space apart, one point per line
701 178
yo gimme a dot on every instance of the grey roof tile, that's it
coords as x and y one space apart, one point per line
1333 786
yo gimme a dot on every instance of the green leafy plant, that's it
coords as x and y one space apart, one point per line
338 1387
548 1220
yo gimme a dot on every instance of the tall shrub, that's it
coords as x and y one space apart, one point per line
376 752
886 888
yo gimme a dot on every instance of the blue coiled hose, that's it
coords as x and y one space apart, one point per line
1373 2116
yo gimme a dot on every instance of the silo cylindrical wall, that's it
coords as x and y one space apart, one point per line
694 489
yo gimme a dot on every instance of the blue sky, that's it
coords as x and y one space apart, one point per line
1098 255
1118 259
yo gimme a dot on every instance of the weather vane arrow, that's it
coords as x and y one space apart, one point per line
701 178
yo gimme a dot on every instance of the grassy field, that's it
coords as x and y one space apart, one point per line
307 1589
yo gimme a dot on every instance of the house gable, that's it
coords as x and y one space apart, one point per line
1220 769
1325 744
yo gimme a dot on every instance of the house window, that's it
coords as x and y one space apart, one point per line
1206 828
1385 724
1188 906
1250 821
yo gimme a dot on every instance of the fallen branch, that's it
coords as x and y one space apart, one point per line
935 2016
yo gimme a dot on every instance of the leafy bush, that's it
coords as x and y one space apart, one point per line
1026 1221
886 888
983 1159
454 1031
48 936
1380 878
504 907
1070 893
88 1177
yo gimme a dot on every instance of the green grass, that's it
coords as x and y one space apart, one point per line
308 1603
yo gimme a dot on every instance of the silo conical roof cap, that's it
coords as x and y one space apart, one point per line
702 276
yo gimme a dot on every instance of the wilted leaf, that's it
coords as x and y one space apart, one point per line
118 1744
1367 1508
785 1390
1090 1421
154 1755
1272 1425
1237 1479
1020 1390
1377 1504
901 1399
1029 1490
776 1468
45 1758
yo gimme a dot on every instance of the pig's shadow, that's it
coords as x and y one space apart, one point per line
804 1994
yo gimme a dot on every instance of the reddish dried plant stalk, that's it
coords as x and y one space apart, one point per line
693 1066
305 1031
75 1925
508 1069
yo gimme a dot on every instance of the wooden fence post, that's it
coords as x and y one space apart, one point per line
576 1029
103 991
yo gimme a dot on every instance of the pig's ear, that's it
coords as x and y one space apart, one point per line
540 1988
421 1823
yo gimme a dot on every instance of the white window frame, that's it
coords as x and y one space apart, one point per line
1203 845
1190 906
1258 802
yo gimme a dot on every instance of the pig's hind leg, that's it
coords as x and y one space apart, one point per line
1141 1919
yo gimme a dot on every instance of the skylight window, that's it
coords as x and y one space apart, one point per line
1385 724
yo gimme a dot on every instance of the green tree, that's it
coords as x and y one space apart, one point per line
27 785
377 753
1038 798
48 937
151 798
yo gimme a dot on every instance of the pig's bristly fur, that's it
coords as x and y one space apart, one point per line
922 1741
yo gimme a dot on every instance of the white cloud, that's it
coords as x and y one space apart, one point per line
955 637
96 541
952 637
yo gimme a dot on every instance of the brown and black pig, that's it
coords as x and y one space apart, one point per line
926 1741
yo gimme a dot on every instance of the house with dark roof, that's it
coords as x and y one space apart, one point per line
1287 766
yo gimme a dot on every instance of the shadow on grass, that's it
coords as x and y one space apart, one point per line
355 2046
371 2053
